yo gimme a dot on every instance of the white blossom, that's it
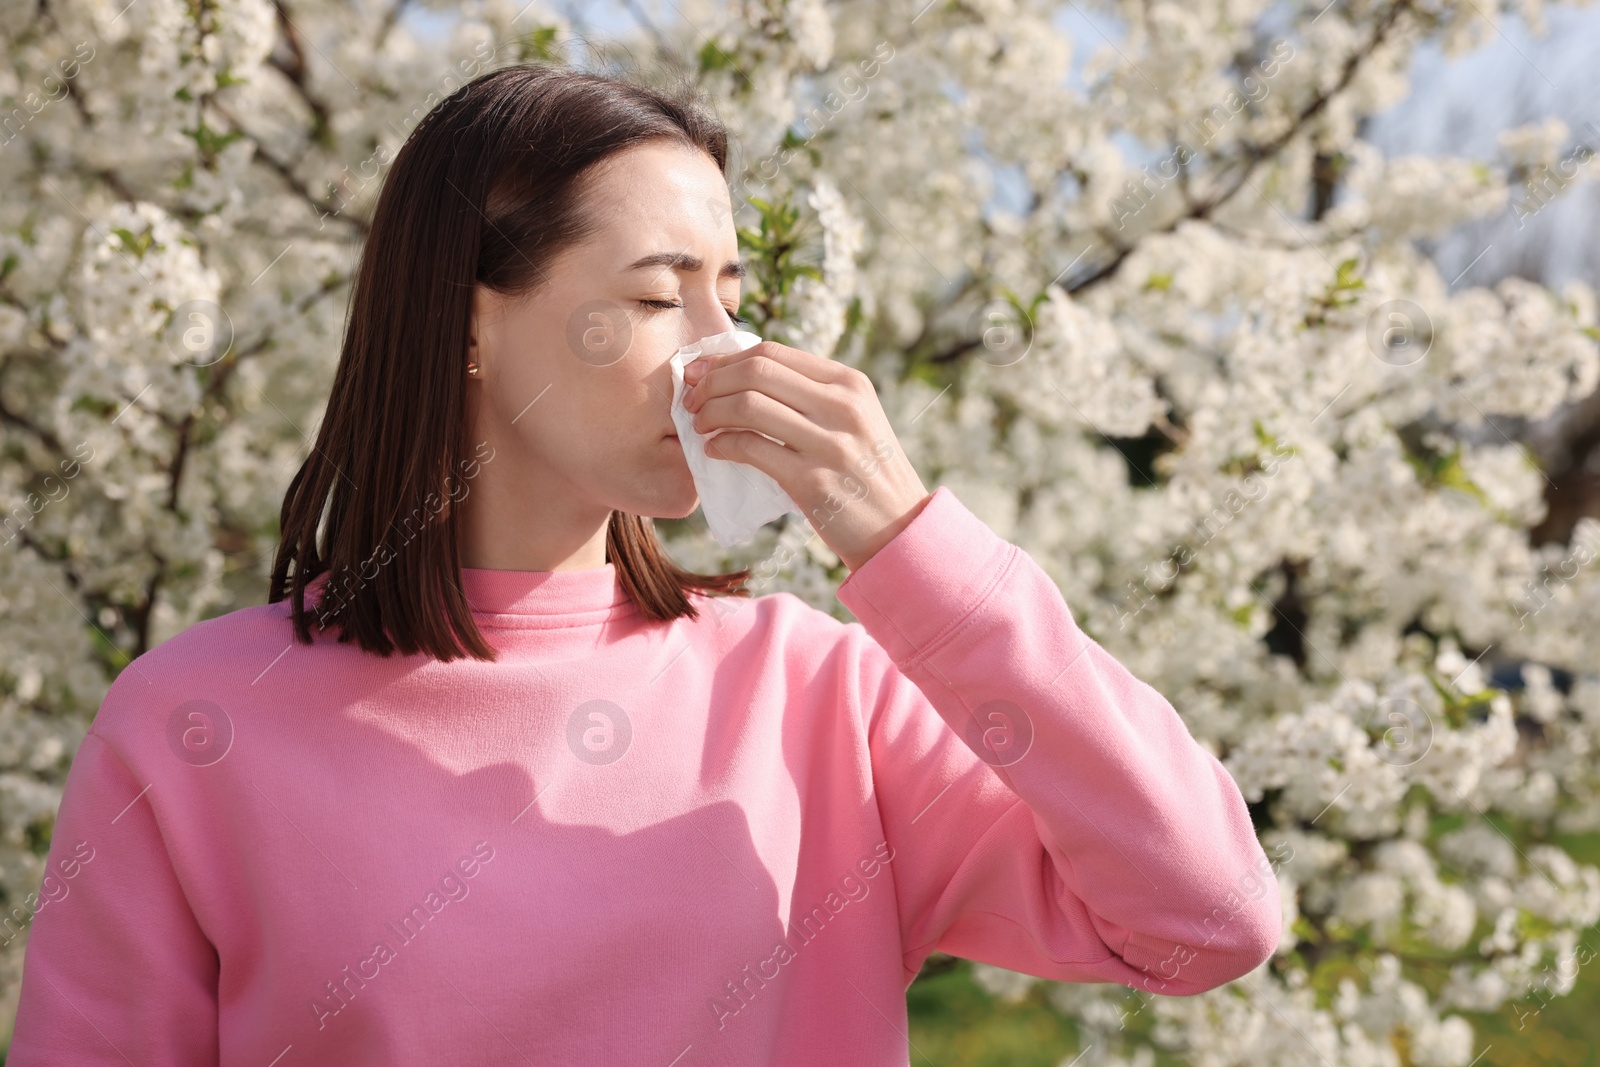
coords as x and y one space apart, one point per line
1116 369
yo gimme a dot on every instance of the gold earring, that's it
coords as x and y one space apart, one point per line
472 368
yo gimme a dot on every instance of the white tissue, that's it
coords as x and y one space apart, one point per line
736 498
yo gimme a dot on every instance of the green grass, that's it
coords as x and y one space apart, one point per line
1560 1032
956 1023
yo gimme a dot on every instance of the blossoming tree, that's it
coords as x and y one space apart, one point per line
1196 368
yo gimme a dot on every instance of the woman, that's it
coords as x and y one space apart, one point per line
489 780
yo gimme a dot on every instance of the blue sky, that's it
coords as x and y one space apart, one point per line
1457 106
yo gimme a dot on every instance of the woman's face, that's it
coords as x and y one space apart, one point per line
574 387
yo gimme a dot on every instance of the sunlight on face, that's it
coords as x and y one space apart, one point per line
575 385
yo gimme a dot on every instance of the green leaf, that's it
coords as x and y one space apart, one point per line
1448 473
109 653
1345 275
538 44
713 58
138 244
37 834
209 141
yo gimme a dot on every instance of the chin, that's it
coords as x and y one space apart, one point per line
665 493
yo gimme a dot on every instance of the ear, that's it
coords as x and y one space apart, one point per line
481 309
486 306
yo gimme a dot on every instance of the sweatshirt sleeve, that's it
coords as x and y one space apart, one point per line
116 969
1060 820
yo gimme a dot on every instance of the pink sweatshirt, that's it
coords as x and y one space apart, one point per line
724 840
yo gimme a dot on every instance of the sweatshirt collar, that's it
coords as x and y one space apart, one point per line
547 593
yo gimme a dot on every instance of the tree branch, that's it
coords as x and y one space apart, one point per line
1254 155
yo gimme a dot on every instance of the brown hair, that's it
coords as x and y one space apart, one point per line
484 191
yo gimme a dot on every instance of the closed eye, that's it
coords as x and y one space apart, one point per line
663 305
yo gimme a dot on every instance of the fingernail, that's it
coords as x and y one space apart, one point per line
694 369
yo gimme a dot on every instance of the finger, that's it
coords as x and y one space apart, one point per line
748 409
779 463
772 379
818 369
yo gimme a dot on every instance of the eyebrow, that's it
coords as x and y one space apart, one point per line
683 261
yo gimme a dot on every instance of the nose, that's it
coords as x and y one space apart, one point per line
704 316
